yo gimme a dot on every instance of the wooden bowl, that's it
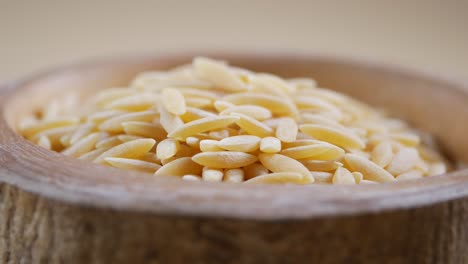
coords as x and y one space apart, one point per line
56 209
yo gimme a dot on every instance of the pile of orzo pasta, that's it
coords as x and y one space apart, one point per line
213 122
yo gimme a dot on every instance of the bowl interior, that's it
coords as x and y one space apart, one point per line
432 105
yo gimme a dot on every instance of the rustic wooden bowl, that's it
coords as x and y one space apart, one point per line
55 209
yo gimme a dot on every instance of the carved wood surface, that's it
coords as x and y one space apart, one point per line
39 230
55 209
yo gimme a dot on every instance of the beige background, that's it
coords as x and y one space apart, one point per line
428 34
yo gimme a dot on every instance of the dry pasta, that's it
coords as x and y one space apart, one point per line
244 143
212 175
209 121
133 164
270 145
234 175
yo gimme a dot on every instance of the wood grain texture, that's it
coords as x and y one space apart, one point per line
55 209
39 230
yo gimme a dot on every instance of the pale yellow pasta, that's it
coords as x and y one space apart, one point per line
303 83
221 105
360 153
202 125
212 175
408 139
252 126
314 103
132 149
336 116
254 111
301 142
218 74
167 148
340 137
205 135
168 160
52 110
108 142
286 130
151 157
326 94
198 93
133 164
372 126
369 170
368 182
220 134
199 102
209 121
92 155
209 145
320 151
318 119
193 142
270 145
232 131
280 178
254 170
322 177
65 140
186 151
382 154
430 155
272 122
234 175
403 161
114 124
437 168
409 175
358 177
44 142
270 84
275 104
321 165
281 163
125 138
34 129
137 102
191 177
243 143
169 121
179 77
423 167
173 101
143 129
54 135
192 114
27 121
224 159
343 176
81 132
103 98
83 145
180 167
99 117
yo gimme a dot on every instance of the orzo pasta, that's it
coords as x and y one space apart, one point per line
209 121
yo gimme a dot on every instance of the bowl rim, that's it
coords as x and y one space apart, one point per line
82 182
